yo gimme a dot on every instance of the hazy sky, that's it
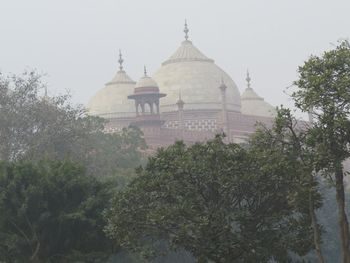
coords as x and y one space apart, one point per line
75 42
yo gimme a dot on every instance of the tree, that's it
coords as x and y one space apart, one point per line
323 88
327 216
52 212
289 137
114 154
221 202
35 126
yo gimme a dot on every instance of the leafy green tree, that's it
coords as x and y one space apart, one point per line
115 154
35 126
289 137
52 212
323 89
221 202
327 216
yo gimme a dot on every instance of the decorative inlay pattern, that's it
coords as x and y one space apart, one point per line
194 125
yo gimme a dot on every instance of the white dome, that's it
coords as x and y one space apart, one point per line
112 100
197 78
253 104
146 81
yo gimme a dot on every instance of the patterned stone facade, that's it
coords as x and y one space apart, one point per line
199 125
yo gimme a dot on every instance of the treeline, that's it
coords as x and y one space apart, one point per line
71 193
58 172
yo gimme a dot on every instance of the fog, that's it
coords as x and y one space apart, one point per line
75 43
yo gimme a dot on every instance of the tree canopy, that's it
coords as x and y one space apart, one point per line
35 126
52 212
219 201
323 89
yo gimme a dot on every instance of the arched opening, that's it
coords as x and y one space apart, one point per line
147 108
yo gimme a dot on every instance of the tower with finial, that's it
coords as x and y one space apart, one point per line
180 106
180 103
223 86
224 117
254 105
186 30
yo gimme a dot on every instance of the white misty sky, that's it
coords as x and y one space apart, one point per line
76 42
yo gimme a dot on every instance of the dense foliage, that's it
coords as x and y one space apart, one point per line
216 201
328 218
323 89
52 212
219 201
35 126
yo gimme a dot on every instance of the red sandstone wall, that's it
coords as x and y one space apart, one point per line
200 125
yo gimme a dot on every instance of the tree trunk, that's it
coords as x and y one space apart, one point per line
34 258
316 231
343 220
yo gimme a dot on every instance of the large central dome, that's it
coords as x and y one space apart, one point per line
198 78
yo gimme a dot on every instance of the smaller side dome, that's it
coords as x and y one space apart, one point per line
146 81
250 94
253 104
146 84
111 101
146 96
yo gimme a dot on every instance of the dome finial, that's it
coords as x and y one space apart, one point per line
120 60
248 79
186 30
145 71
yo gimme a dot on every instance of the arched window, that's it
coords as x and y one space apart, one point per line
147 108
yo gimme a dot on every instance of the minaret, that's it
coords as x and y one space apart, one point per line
180 106
224 117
